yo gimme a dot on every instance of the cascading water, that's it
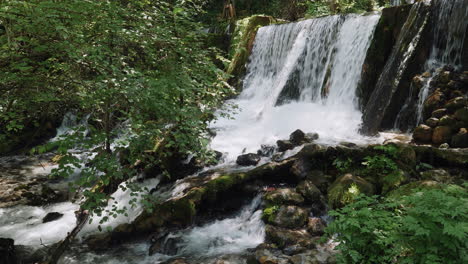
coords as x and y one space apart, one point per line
449 31
301 75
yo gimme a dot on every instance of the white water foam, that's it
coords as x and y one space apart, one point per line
321 59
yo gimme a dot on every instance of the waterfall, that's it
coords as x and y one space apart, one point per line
449 30
300 75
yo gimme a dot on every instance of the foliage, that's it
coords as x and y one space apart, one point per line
144 62
317 8
382 163
429 226
343 165
269 213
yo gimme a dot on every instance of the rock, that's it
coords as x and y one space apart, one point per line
455 104
346 188
309 257
309 191
283 196
447 121
298 138
439 113
422 134
164 243
434 101
442 134
418 82
348 144
176 261
284 145
316 226
438 175
445 157
445 145
7 251
444 77
265 254
266 150
426 74
432 122
286 237
294 249
290 216
249 159
460 140
462 114
393 180
52 216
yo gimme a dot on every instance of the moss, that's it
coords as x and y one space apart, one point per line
346 188
269 213
393 180
413 187
242 43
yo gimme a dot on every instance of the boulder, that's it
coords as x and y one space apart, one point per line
439 113
284 145
444 146
460 140
283 196
437 175
447 121
290 216
418 81
249 159
7 251
52 216
346 188
309 257
442 134
266 254
309 191
432 122
422 134
298 138
393 180
462 114
316 226
286 237
434 101
444 77
455 104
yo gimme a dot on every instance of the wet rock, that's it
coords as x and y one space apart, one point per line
439 113
294 249
265 254
176 261
426 74
7 251
455 104
444 146
348 144
306 258
422 134
290 216
460 140
462 114
447 121
298 138
312 136
444 77
266 150
418 81
284 145
286 237
309 191
316 226
164 243
432 122
51 217
283 196
434 101
438 175
346 188
249 159
442 134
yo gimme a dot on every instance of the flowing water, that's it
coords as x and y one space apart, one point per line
449 29
300 76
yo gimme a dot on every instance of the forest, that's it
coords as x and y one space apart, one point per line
233 131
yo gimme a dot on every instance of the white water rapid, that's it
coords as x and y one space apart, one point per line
300 76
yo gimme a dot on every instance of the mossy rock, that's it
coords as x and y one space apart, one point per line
346 188
242 43
393 180
283 196
418 186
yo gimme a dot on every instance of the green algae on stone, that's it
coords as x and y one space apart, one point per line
346 188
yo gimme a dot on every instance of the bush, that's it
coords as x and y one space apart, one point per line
425 227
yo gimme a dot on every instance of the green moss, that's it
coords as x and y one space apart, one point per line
393 181
346 188
269 213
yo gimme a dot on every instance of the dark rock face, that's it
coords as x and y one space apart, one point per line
284 145
316 226
51 217
460 140
7 251
290 216
250 159
266 150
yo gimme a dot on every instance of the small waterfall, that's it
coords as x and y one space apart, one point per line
301 75
449 30
395 67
